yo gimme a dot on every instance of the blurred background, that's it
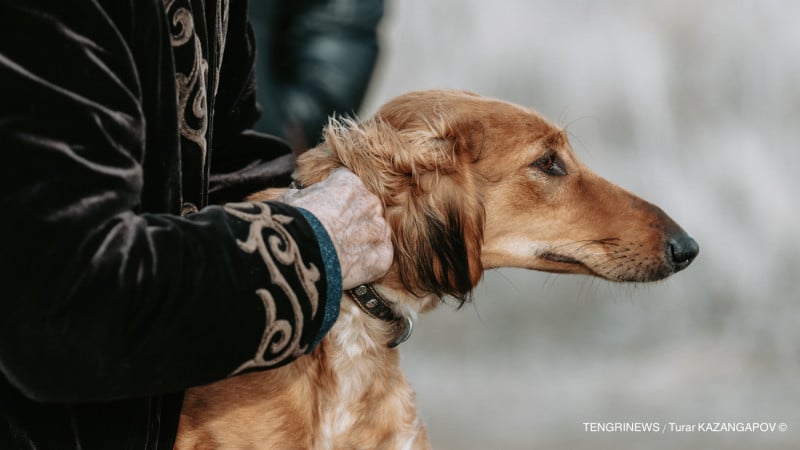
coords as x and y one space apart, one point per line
694 106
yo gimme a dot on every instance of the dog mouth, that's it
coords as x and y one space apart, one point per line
565 264
554 257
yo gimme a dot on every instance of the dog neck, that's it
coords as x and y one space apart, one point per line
364 377
381 313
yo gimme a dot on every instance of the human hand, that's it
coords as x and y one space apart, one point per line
353 218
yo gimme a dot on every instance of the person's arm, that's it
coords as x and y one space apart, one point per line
248 161
100 301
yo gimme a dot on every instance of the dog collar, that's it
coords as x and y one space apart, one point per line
374 305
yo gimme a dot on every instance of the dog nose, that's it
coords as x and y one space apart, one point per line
682 250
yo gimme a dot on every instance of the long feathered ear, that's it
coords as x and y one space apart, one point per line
431 194
439 224
438 232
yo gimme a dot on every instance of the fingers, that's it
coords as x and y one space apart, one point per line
353 218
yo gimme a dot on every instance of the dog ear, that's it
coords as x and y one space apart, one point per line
431 195
438 225
438 234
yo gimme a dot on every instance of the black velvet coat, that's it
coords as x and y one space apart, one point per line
116 294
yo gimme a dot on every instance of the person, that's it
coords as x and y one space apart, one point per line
131 268
315 58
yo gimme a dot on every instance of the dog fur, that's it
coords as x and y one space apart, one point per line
468 183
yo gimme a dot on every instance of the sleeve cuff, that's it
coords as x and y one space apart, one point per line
333 274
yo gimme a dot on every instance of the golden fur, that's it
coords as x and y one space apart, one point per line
468 183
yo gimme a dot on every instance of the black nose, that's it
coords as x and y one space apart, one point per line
682 250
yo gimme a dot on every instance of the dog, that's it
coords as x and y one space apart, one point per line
468 183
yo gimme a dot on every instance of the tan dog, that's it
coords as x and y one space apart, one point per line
469 183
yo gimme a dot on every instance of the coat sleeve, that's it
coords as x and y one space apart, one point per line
101 301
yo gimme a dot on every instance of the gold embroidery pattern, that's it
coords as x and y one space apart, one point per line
280 338
192 86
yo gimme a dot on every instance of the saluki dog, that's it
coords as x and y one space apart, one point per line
468 183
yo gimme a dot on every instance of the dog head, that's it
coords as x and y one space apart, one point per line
471 183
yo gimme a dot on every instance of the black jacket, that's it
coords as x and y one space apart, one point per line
116 294
315 58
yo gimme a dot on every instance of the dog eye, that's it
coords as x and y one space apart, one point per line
551 165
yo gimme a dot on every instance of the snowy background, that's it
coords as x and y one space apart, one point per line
694 106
